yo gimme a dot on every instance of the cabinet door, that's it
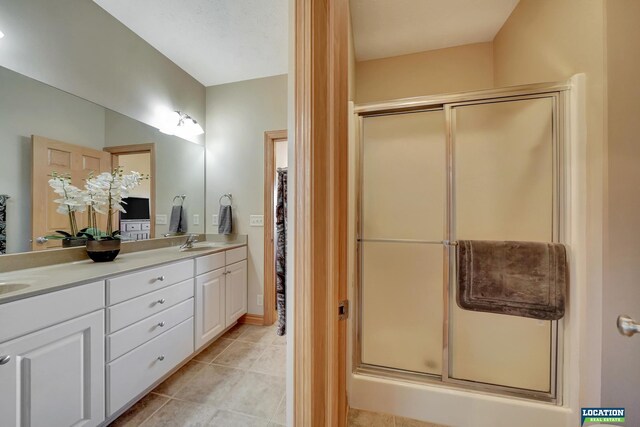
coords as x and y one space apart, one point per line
236 278
55 376
210 306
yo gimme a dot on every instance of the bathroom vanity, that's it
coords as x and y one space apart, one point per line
106 334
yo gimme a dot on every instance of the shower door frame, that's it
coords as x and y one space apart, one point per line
447 103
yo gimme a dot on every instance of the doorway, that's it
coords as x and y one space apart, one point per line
275 175
138 223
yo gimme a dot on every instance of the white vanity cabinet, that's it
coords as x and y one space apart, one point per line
221 293
149 327
210 311
53 373
80 356
236 291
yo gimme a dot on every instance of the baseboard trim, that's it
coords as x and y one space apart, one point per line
252 319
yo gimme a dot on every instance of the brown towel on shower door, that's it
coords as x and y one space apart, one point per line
526 279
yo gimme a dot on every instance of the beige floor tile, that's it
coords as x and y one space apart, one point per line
235 331
359 418
258 334
178 413
231 419
139 412
281 413
212 385
175 382
256 394
240 354
218 346
272 361
280 340
406 422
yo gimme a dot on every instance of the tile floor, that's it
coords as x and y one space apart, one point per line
358 418
239 380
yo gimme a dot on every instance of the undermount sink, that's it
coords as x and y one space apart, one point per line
197 248
5 288
205 246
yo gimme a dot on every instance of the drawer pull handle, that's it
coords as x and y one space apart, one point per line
5 359
161 324
161 357
161 301
161 278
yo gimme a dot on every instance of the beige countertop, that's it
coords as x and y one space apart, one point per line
51 278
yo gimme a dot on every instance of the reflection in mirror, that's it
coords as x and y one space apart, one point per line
45 130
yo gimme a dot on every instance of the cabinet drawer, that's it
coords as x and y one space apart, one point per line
136 371
146 226
209 263
135 226
30 314
134 284
236 255
131 337
129 312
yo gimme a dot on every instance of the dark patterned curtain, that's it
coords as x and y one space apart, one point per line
3 224
281 250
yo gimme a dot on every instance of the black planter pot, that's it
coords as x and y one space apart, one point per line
73 242
103 250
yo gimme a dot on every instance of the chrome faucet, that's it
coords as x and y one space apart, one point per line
191 239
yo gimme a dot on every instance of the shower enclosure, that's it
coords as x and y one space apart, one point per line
478 166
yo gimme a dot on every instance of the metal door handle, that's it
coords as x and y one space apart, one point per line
161 301
41 240
161 278
161 357
627 326
161 324
5 359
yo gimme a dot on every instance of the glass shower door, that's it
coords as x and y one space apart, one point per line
504 188
476 170
402 226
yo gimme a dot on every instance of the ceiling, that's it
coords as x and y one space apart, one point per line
384 28
216 41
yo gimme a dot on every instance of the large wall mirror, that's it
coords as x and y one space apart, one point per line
45 130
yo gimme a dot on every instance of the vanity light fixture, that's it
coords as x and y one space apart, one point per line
181 124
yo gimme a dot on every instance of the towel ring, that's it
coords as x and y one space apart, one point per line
228 196
182 197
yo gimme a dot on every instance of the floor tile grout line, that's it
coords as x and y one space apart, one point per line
276 411
262 349
154 412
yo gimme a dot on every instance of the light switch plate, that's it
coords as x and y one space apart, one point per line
196 219
214 219
161 219
256 220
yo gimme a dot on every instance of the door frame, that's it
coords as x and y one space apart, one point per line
150 148
319 204
269 294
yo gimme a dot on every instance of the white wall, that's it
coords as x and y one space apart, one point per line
454 69
179 166
238 114
30 108
76 46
